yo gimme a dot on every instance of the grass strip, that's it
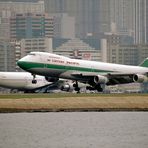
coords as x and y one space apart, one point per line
61 95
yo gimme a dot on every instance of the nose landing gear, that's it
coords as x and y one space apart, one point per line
34 81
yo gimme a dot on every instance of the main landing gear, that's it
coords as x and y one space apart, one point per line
34 81
75 85
99 88
93 86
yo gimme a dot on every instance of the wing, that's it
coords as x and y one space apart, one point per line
113 78
118 78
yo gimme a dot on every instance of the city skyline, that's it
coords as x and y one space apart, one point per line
73 25
88 17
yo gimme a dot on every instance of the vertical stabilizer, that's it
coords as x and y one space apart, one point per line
144 63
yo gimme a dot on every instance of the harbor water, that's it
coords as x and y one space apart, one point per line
74 130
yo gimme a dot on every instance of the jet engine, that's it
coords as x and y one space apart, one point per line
100 79
140 78
67 87
51 79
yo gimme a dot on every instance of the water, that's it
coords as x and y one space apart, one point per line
74 130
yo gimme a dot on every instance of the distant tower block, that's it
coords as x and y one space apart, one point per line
104 50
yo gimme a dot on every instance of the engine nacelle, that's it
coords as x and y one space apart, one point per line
51 79
100 79
65 87
140 78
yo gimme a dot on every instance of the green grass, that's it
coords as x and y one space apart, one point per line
61 95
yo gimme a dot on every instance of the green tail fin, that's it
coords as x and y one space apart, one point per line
144 63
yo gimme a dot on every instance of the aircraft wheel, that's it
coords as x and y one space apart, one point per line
75 85
99 88
34 81
90 88
77 89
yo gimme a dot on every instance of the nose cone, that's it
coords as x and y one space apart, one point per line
2 75
23 64
20 63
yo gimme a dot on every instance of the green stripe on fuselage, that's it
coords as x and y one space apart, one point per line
31 65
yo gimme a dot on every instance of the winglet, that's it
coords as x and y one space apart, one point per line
144 63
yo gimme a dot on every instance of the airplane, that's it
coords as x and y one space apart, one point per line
63 85
96 74
22 81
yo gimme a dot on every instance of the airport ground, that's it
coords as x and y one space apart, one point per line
72 102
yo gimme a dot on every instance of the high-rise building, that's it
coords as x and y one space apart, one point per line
129 54
5 25
31 26
55 6
7 56
35 44
64 26
122 16
141 21
128 17
77 48
22 7
91 16
94 17
8 8
25 46
147 22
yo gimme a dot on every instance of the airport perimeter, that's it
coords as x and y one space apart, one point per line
72 102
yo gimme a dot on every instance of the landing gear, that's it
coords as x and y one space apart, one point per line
29 91
75 85
90 88
94 86
99 88
34 81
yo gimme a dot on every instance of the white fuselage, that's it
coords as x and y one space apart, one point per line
21 80
60 66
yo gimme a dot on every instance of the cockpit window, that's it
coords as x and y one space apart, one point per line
32 54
